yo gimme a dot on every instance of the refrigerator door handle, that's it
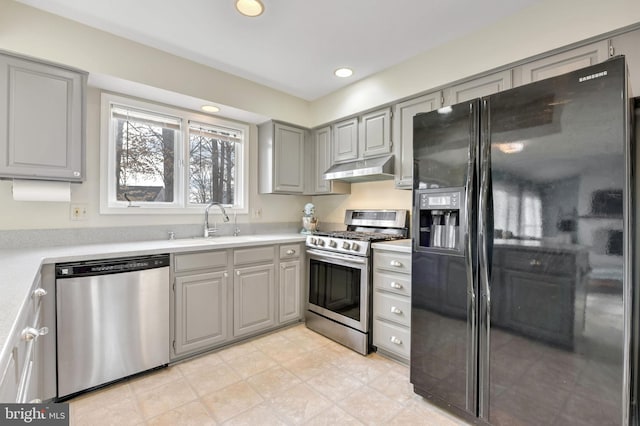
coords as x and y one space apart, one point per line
484 210
469 241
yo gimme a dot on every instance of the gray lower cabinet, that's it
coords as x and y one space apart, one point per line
253 299
42 108
201 306
200 301
290 283
29 375
392 303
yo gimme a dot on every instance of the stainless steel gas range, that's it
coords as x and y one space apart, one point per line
339 265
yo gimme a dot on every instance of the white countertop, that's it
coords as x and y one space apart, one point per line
402 246
20 267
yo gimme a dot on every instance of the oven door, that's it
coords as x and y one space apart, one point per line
339 288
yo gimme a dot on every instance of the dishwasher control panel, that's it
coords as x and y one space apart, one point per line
110 266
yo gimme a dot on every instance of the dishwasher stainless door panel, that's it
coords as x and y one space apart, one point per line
111 326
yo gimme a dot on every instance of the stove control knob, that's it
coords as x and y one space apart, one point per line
333 244
320 242
346 246
312 241
355 246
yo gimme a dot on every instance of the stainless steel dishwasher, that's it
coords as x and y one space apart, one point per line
112 320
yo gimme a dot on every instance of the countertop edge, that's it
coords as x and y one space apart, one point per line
21 268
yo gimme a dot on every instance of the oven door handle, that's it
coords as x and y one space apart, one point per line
322 255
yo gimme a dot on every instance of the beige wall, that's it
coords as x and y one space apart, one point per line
369 195
547 25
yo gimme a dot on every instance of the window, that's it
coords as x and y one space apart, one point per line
163 160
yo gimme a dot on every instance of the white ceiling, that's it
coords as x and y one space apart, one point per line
295 45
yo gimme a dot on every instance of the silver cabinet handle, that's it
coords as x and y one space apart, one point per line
39 292
238 273
395 263
395 340
291 252
31 333
395 310
225 274
395 285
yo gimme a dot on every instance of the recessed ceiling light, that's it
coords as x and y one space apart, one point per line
250 8
343 72
210 108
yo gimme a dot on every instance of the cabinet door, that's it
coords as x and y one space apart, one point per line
322 141
289 159
375 137
564 62
479 87
289 291
627 44
253 299
201 311
41 120
345 140
403 135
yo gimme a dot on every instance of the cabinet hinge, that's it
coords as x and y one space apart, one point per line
174 345
174 285
441 100
612 50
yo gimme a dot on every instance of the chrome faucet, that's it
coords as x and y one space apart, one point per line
208 231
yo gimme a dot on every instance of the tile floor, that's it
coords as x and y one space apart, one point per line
290 377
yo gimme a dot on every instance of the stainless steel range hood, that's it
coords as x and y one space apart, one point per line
379 168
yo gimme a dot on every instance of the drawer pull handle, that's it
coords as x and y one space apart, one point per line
31 333
395 340
535 262
225 274
291 252
396 311
395 285
39 292
238 273
395 263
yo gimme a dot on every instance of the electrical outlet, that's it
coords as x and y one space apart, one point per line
78 212
257 213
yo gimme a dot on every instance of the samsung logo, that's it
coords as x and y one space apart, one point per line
592 76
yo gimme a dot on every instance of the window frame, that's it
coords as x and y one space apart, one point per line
181 205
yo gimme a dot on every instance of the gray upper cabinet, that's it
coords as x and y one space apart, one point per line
627 44
345 140
42 108
564 62
321 147
403 134
375 134
281 158
477 88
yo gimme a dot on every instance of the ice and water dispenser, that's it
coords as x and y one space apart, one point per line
441 218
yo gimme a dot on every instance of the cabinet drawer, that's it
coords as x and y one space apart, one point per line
393 338
253 255
391 307
395 283
539 262
392 261
289 251
203 260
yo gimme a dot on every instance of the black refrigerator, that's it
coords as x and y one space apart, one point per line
522 279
